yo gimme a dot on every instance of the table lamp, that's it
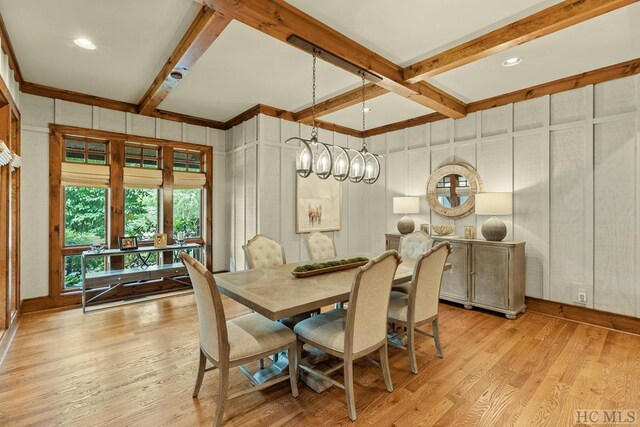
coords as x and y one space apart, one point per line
406 205
494 204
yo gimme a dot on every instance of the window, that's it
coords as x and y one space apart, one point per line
73 269
187 160
141 212
85 151
187 212
84 215
141 156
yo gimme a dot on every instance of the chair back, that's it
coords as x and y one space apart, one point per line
320 246
211 321
415 244
369 301
425 285
262 251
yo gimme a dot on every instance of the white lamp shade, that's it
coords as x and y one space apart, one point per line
406 205
494 204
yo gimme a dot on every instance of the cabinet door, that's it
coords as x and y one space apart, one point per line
490 283
455 282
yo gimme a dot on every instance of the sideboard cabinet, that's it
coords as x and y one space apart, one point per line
485 274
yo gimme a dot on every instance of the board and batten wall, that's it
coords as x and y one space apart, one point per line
572 161
262 188
37 112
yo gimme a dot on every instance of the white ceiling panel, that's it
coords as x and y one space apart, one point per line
245 67
409 30
606 40
133 39
385 109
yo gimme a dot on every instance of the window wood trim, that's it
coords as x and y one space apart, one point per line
115 208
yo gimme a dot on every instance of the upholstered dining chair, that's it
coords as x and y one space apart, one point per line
228 343
412 246
320 246
262 251
357 331
420 305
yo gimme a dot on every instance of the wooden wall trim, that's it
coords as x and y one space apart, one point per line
617 322
82 98
56 205
617 71
416 121
547 21
613 72
339 102
203 31
7 47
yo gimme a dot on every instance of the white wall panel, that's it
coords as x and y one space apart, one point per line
110 120
570 106
615 97
529 114
495 121
142 125
70 113
220 252
440 132
195 134
465 128
239 208
615 192
168 129
531 207
39 111
568 232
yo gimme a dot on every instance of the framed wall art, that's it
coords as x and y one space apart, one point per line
318 204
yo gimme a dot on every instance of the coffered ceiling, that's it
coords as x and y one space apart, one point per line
244 66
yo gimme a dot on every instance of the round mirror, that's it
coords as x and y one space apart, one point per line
451 190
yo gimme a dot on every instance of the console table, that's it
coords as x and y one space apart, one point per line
108 280
485 274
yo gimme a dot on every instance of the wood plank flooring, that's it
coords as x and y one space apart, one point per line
136 365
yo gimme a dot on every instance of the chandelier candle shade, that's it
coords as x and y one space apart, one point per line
406 205
494 204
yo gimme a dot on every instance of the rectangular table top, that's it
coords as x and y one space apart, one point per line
275 293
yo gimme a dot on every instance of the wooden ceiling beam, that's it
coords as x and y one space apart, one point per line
339 102
203 31
281 20
547 21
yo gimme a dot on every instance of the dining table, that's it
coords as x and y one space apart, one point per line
275 293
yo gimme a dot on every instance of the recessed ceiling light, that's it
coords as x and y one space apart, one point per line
366 109
512 61
85 44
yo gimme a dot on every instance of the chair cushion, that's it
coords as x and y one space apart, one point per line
326 329
402 287
292 321
253 334
398 306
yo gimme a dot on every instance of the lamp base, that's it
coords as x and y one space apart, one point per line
406 225
494 230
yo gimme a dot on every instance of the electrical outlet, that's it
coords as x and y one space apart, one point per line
582 296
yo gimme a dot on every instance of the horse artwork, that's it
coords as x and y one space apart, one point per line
318 205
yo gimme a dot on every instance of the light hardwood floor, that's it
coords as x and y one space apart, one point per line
136 365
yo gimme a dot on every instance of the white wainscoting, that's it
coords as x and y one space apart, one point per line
37 112
571 159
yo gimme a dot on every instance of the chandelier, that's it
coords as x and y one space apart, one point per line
325 160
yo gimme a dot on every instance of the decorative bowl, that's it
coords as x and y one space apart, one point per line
443 230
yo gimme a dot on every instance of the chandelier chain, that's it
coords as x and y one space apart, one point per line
314 129
364 143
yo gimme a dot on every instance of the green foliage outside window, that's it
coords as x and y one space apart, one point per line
141 212
187 212
84 215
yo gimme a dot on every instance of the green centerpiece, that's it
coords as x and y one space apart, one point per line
307 270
